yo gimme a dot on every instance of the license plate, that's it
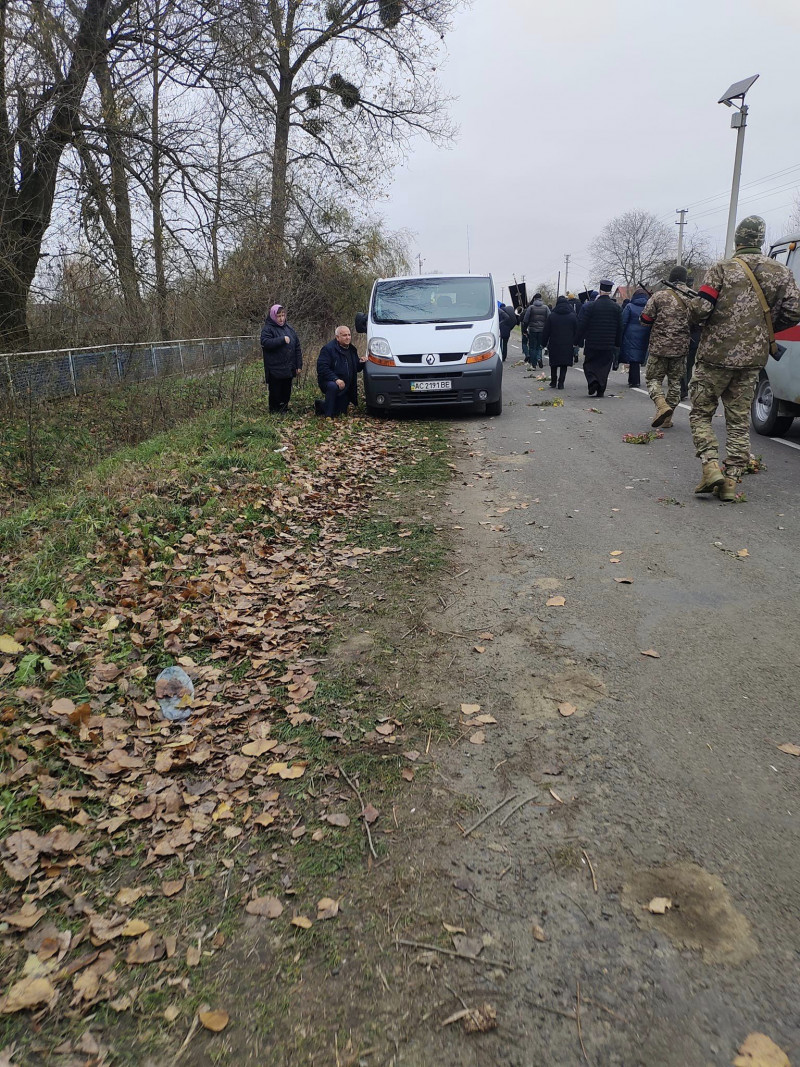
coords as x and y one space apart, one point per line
427 387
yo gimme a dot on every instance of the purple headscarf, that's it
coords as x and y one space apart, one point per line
273 312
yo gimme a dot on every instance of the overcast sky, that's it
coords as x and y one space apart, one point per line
571 114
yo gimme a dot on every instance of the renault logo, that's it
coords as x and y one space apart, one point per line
430 359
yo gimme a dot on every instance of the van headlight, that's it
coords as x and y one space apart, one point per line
380 347
484 342
483 347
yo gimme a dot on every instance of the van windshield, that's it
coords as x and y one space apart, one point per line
416 300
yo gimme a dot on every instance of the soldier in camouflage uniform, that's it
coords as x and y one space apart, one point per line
733 348
668 314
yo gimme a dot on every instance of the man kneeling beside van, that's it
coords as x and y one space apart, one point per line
338 365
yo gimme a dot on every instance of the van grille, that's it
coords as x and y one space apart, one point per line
444 357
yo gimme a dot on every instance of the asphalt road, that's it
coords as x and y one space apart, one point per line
672 780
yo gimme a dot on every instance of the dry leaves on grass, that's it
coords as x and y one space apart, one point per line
789 749
215 1021
236 603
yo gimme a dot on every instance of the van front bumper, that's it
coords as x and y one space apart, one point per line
389 387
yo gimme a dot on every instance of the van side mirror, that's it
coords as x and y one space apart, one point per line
361 322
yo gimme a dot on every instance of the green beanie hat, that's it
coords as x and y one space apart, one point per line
750 232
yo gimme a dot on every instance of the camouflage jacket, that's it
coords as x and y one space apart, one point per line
668 314
734 329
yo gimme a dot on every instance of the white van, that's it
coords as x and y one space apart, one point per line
433 339
776 402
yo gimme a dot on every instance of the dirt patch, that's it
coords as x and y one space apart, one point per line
539 699
702 917
353 648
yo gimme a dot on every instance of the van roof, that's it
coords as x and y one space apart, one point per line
430 277
786 240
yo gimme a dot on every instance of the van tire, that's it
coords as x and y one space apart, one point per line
495 407
764 411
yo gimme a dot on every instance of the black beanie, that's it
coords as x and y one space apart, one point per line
678 274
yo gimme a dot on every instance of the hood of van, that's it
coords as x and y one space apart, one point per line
432 339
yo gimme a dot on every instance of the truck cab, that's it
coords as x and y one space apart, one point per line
433 340
776 402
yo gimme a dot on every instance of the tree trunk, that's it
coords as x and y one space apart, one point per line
279 198
155 192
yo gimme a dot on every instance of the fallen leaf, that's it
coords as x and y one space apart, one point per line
264 819
128 895
135 928
370 814
624 581
468 946
193 955
790 749
470 709
556 602
258 748
385 729
481 1020
62 706
27 993
171 1013
338 818
172 888
555 796
266 907
478 738
327 908
487 720
295 771
616 552
538 933
651 652
149 948
758 1050
478 648
453 929
407 773
111 623
741 554
24 919
302 922
214 1020
9 646
659 905
486 637
566 709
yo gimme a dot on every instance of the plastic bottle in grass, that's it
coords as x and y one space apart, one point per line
175 694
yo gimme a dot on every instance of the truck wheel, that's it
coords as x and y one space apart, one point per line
764 411
495 407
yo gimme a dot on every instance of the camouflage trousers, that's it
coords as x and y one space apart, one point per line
734 387
673 369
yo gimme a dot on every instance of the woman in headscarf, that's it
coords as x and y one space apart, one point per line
283 358
635 337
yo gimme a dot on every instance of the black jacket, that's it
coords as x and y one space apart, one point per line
280 360
600 324
335 362
508 320
560 332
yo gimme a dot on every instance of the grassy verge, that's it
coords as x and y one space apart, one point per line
250 551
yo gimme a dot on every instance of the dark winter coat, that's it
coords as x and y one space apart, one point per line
600 325
536 316
508 320
335 362
635 334
280 360
560 332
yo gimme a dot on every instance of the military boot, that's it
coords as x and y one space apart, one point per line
726 490
663 411
712 476
667 423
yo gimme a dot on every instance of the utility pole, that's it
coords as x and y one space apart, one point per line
469 260
734 97
683 212
420 260
558 286
566 272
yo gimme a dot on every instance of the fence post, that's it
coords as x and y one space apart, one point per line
118 362
10 379
153 360
72 373
180 356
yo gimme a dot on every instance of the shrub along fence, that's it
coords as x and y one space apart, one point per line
78 371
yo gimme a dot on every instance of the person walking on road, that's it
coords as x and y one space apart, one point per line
740 305
635 337
558 336
283 358
508 320
533 322
600 333
667 313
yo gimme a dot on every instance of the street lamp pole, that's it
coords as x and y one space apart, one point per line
734 97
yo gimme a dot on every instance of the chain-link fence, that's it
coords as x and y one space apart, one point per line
78 371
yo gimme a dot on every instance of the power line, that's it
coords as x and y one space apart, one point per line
746 185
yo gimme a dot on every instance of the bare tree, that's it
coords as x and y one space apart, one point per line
633 247
46 59
343 83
